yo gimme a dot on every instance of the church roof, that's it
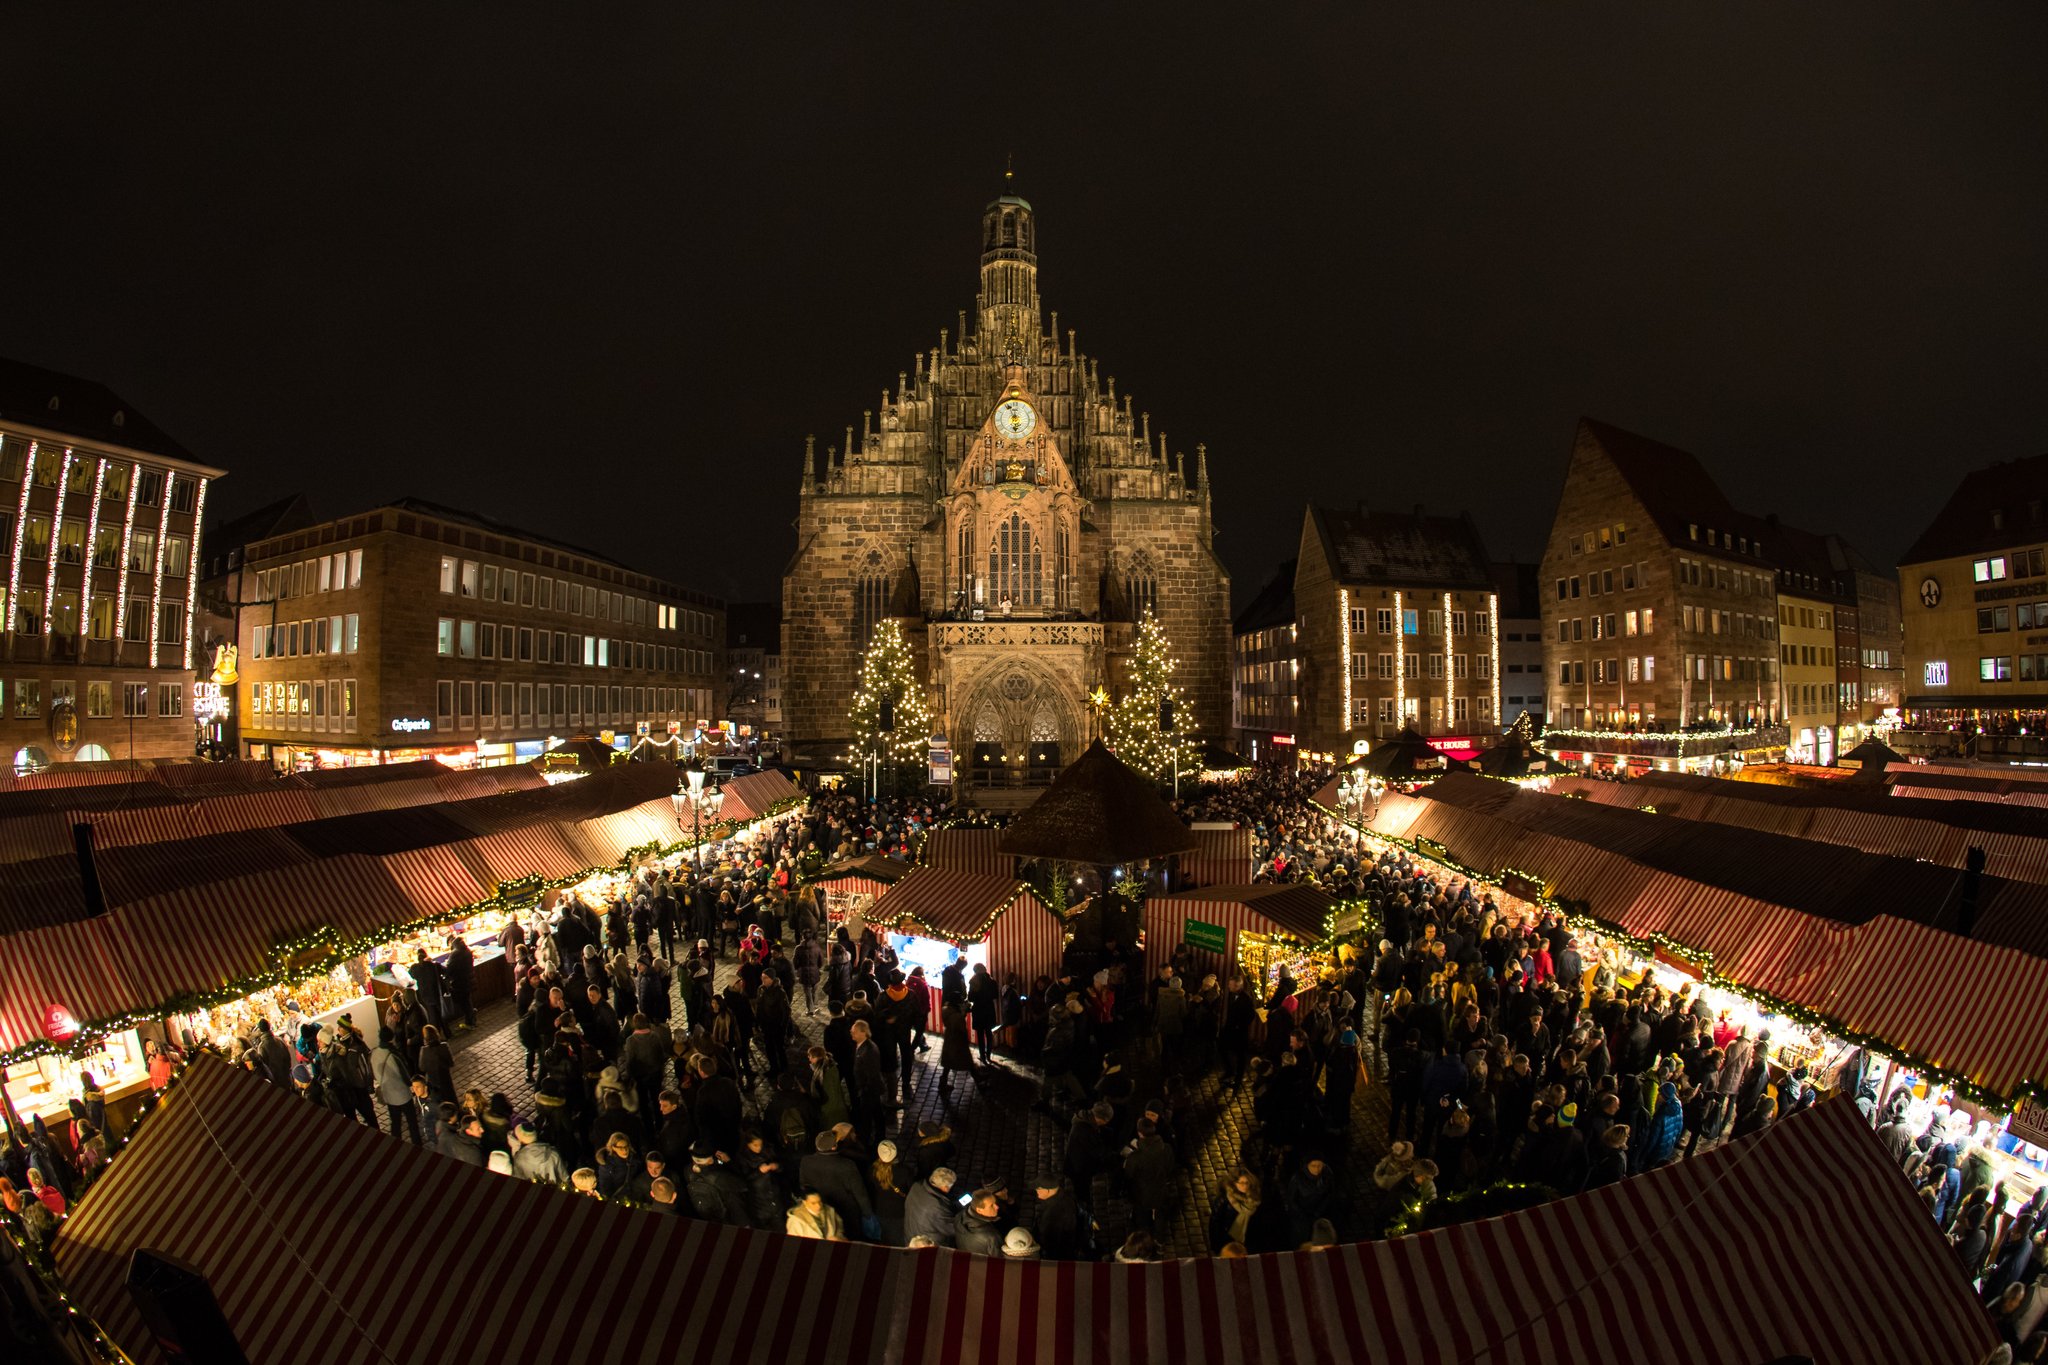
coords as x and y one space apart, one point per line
1403 549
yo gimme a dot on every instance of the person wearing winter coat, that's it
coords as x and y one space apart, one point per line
1057 1222
979 1228
929 1208
537 1161
1231 1218
809 961
956 1051
1310 1194
1151 1172
984 1008
1667 1124
393 1080
815 1218
1610 1161
833 1174
717 1194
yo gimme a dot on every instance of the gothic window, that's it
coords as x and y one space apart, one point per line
1063 563
870 601
1141 590
988 725
1016 565
1044 729
965 556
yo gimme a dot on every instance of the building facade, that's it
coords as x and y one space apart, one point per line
1010 508
753 662
1264 705
1975 593
414 630
1398 620
100 513
1522 688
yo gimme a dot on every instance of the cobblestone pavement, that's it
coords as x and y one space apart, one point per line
998 1131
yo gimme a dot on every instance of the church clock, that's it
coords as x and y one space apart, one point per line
1015 419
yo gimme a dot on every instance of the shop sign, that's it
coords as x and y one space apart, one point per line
210 702
59 1025
2030 1123
1432 849
1210 938
1283 739
1521 885
408 725
226 665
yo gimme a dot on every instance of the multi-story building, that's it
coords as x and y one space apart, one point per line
223 583
1660 602
1521 643
414 630
100 514
1013 512
1816 610
1397 614
1263 703
1975 589
753 664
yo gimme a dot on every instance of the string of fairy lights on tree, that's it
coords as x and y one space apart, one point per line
1151 726
890 721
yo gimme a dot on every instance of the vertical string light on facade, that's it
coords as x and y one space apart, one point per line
50 553
1400 664
92 537
1493 672
28 479
192 571
1450 672
121 578
156 579
1344 659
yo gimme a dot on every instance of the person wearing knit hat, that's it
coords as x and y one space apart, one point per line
499 1162
1020 1245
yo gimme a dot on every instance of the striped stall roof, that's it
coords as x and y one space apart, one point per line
748 798
73 967
437 879
535 850
944 902
1222 857
37 834
1965 1006
870 874
1699 1261
257 1190
971 849
207 937
1295 908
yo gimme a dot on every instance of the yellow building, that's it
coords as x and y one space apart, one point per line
1806 673
1975 588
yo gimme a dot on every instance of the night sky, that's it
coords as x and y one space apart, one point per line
600 277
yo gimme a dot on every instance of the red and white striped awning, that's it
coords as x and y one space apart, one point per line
939 902
1222 857
1297 909
1802 1241
967 850
868 875
72 968
748 798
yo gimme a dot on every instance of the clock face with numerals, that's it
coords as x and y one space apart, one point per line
1930 591
1015 420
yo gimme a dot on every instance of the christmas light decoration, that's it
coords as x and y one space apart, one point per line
28 480
889 695
1700 963
1450 672
50 551
192 571
121 579
1344 654
156 581
1134 730
1493 629
92 537
1400 664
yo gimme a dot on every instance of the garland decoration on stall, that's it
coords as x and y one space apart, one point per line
315 952
1467 1206
1579 915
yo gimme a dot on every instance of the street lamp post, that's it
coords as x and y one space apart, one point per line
698 798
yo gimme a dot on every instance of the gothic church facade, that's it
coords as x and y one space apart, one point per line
1016 516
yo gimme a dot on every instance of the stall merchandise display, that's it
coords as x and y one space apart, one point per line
285 1006
46 1085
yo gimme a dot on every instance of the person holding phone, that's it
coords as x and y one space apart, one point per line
979 1228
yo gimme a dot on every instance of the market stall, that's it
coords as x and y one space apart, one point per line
1224 856
852 886
1254 929
967 849
935 915
757 795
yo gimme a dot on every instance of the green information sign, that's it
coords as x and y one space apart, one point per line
1210 938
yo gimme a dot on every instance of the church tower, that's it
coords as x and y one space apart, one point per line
1008 307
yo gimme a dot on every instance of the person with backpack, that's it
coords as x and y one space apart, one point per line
349 1078
393 1081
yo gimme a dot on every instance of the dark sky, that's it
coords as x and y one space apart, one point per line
600 276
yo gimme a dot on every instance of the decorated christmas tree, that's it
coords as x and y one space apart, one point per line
1151 725
890 720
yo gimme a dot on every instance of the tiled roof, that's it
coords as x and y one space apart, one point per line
1274 606
2016 489
79 407
1403 549
1676 490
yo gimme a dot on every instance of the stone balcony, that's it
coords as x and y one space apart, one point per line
1017 633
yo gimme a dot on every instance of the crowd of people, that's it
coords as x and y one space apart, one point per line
1504 1044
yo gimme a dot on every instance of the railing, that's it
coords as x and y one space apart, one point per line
1024 634
1695 744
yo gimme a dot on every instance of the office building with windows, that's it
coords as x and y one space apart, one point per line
1397 629
1522 687
1263 703
100 513
1974 589
415 630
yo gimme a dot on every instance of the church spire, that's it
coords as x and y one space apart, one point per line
1009 268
